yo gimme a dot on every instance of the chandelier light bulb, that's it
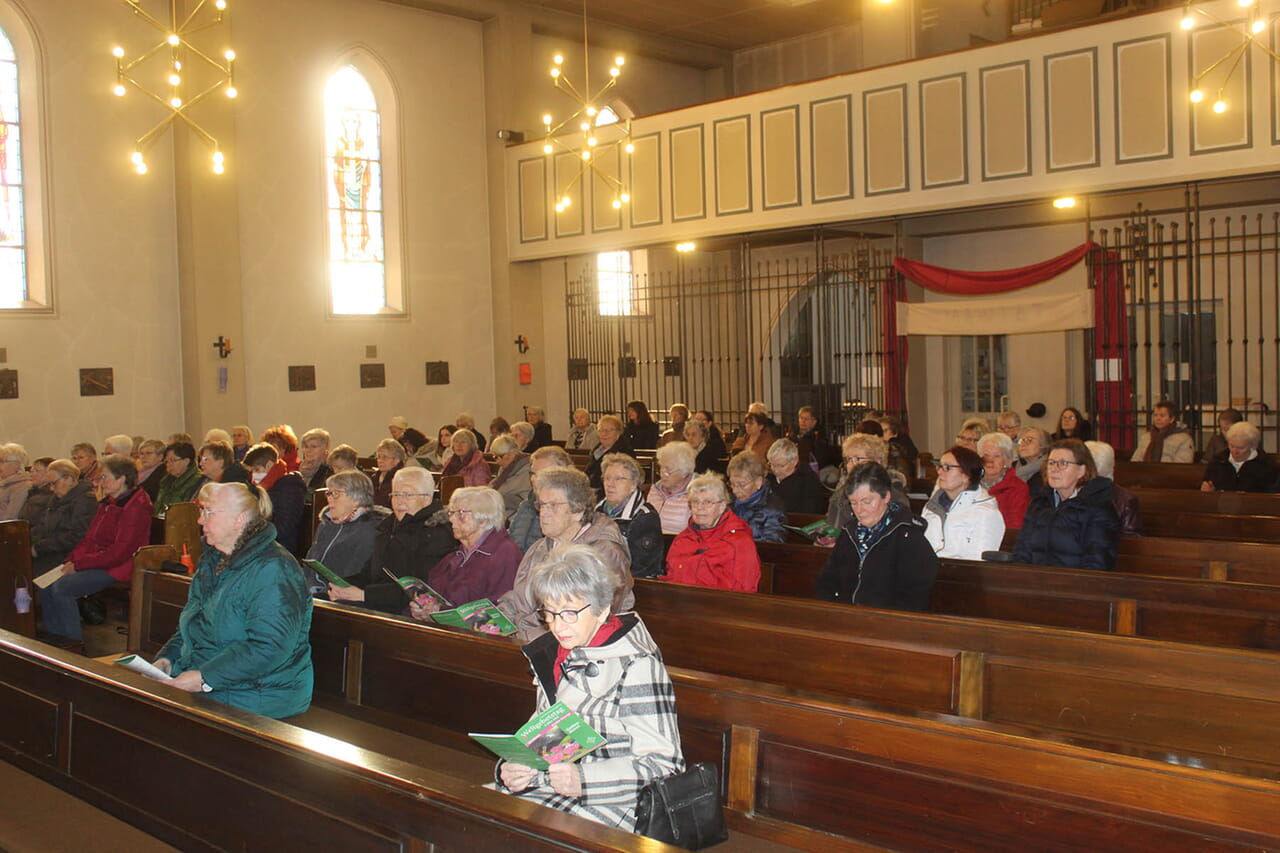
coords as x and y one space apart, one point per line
619 60
617 204
232 91
174 80
1064 203
136 158
555 72
591 140
626 198
173 39
546 149
558 59
218 157
1219 107
118 90
686 247
220 5
591 111
1245 4
566 201
1258 26
546 118
630 149
175 102
614 71
230 55
1196 96
218 168
117 51
1188 22
141 168
586 155
586 125
177 66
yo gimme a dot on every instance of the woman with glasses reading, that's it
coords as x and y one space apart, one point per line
881 558
606 669
1072 523
858 449
348 525
716 549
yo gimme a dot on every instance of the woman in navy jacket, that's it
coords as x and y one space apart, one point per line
1072 523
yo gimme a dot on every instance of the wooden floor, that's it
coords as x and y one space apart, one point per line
36 817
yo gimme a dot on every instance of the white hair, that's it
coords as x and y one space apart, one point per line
416 477
1104 458
120 443
216 434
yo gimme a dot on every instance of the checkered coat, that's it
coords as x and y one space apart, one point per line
621 690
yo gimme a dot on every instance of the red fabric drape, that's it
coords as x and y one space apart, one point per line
1113 417
969 283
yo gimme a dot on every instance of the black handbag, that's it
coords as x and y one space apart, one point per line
684 809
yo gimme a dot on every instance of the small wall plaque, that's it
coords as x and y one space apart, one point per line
373 376
437 373
302 377
97 382
8 384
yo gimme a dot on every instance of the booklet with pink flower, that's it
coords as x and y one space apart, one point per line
482 616
555 736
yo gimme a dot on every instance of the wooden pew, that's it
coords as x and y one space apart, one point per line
1246 562
182 527
447 486
817 773
204 776
1159 475
1206 515
15 573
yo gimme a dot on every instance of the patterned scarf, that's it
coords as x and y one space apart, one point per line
865 537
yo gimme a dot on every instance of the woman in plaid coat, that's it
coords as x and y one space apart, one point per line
606 669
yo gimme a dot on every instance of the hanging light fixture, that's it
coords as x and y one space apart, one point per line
599 128
1248 32
174 76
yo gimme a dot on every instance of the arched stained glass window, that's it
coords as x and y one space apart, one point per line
357 227
13 248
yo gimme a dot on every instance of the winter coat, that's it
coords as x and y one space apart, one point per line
382 481
245 628
1013 496
475 472
898 571
710 458
513 484
524 525
801 492
582 439
1255 475
765 513
641 526
13 494
541 438
622 690
288 495
605 539
1079 533
641 436
486 571
151 483
121 526
1178 447
180 489
407 547
839 513
672 506
972 525
593 470
61 525
721 557
345 548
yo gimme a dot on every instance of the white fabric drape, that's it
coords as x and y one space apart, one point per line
1009 316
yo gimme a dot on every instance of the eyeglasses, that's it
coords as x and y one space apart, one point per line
566 616
944 466
1060 464
410 494
337 493
618 479
539 506
704 503
205 512
857 460
1028 439
454 512
742 484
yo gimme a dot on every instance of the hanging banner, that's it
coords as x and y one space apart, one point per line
1012 316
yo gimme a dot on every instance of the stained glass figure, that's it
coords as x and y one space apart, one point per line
357 270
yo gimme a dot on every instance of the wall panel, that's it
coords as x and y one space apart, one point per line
533 199
733 165
688 174
831 148
780 157
646 180
884 131
1143 113
1006 120
1071 110
944 131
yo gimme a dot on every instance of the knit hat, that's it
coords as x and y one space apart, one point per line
400 422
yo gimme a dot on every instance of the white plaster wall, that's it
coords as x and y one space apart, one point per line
288 48
113 249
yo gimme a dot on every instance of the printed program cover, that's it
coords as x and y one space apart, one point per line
555 736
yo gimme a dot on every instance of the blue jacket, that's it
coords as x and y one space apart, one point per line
1080 533
246 628
765 513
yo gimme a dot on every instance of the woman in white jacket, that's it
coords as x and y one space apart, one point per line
964 520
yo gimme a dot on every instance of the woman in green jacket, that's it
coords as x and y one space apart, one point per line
181 478
243 635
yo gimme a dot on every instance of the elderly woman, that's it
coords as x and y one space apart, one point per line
756 438
963 519
637 519
341 458
565 501
716 549
497 427
859 449
467 461
669 496
283 439
753 501
182 478
348 527
1072 523
607 669
485 561
313 467
121 526
62 521
522 432
972 430
512 481
642 430
241 441
388 459
1010 423
1033 449
609 431
1217 443
582 435
1072 424
40 495
85 457
796 485
408 543
287 491
882 558
1001 480
679 415
466 420
1242 468
15 482
524 526
151 467
1123 501
243 636
537 416
705 456
218 464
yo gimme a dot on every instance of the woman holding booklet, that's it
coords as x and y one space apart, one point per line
607 670
243 634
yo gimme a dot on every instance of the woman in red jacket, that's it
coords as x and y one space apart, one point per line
121 526
716 549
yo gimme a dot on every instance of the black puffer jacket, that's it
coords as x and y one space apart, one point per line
61 525
897 572
344 548
1080 533
407 547
642 528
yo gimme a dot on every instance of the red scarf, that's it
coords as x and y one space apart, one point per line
277 471
611 626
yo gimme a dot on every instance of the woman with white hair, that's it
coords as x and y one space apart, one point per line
670 495
389 458
1242 468
348 525
512 480
796 485
582 435
466 420
716 549
484 563
1033 450
522 432
1001 480
537 416
637 519
467 461
15 482
1124 501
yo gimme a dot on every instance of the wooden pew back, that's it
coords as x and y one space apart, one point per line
15 573
182 527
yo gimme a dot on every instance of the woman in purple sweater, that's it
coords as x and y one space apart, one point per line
485 564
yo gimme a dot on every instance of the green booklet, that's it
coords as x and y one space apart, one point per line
326 574
818 530
420 591
482 616
555 736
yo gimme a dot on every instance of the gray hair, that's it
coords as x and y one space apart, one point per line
524 428
317 434
536 410
871 446
466 435
504 444
709 482
13 453
979 424
355 483
484 503
417 477
1010 419
1000 442
747 464
575 571
213 435
393 447
1041 436
784 450
677 456
242 498
623 460
558 455
466 420
155 444
1246 431
64 469
573 483
121 444
694 425
1104 458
